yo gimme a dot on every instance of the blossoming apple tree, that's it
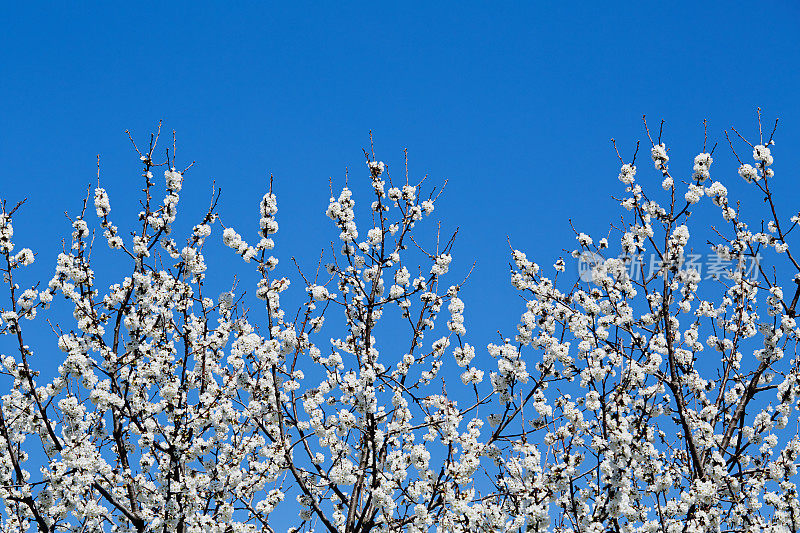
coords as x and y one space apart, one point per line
651 401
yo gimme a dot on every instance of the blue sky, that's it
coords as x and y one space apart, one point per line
513 103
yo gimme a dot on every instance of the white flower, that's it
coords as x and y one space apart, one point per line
702 163
694 193
226 299
101 202
402 277
231 238
660 157
174 179
749 173
377 167
441 265
375 235
762 153
584 239
627 174
319 293
24 257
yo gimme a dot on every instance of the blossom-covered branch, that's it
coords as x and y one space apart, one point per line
627 400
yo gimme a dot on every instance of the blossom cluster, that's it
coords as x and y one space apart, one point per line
652 403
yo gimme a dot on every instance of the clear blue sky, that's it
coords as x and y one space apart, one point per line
513 103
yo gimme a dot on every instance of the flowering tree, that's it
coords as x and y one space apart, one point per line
173 411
